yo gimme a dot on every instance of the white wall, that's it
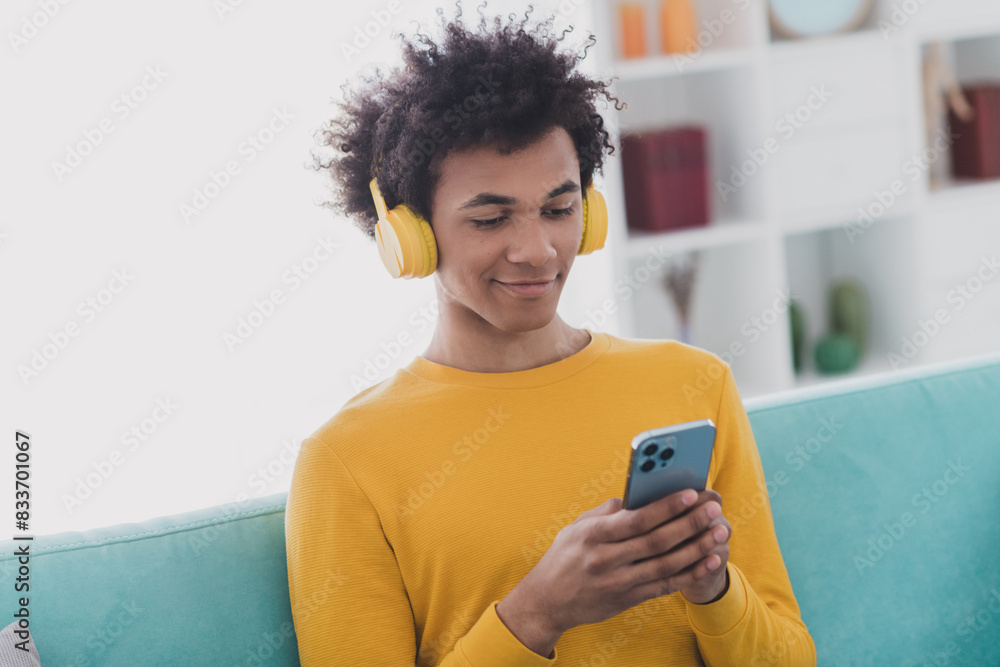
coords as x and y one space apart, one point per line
159 339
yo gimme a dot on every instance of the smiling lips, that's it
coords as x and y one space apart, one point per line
529 289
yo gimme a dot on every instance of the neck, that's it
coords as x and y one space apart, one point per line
487 349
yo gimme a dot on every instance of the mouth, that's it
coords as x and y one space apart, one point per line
528 288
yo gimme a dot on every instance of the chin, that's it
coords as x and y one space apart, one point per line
512 319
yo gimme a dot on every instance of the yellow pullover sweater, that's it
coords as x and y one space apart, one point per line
417 507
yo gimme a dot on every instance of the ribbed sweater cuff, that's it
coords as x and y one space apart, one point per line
721 616
490 643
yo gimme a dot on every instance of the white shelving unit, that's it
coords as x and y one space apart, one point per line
786 227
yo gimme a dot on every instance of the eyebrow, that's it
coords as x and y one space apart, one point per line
487 198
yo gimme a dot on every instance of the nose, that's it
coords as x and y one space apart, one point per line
530 242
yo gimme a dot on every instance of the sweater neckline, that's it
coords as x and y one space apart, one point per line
600 343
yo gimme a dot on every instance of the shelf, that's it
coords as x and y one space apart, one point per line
840 218
795 48
872 364
660 66
942 31
962 193
717 234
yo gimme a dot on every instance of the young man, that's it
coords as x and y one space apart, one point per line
466 511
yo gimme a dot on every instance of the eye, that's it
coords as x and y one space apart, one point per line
487 223
561 212
553 212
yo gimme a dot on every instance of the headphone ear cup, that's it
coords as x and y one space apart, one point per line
595 222
406 244
427 244
405 241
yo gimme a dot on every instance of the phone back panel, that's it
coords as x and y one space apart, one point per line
667 460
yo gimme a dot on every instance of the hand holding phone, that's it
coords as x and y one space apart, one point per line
667 460
605 562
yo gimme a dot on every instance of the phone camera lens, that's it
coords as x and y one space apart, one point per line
650 449
647 465
666 453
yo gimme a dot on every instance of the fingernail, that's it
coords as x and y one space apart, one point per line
720 534
688 497
712 563
714 510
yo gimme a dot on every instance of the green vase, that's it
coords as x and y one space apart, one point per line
798 321
849 312
836 353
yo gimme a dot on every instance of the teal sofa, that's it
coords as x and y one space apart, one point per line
885 492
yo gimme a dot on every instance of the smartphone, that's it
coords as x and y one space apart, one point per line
667 460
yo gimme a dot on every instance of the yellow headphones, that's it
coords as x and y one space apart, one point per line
408 250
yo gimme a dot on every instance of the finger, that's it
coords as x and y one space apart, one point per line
676 536
685 578
626 524
678 561
609 506
706 496
718 521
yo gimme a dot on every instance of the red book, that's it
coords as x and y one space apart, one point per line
666 179
975 152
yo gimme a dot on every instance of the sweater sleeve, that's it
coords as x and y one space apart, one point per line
349 606
757 621
349 603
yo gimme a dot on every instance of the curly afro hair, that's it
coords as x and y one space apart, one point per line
503 86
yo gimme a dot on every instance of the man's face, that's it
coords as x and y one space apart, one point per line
528 206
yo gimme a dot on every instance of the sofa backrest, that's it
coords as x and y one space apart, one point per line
885 493
207 587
